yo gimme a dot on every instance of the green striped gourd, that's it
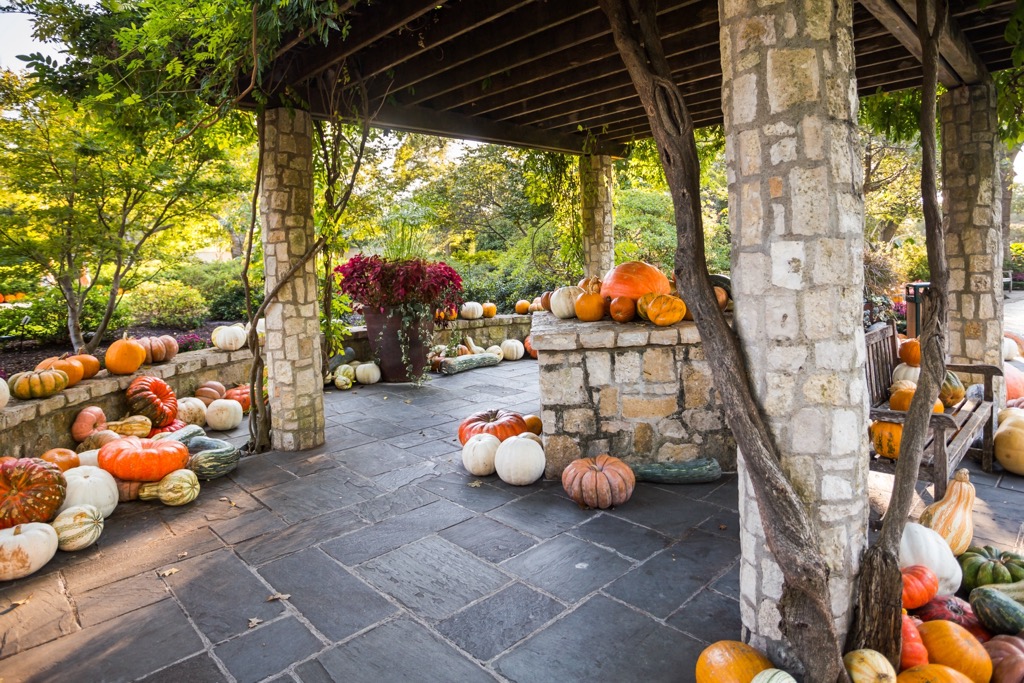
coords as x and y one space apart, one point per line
211 458
78 527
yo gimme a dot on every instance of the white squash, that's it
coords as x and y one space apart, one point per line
5 394
478 454
519 462
224 414
367 373
78 527
921 545
90 485
563 301
25 548
496 350
471 310
472 346
513 349
907 372
228 338
192 411
773 676
343 382
91 458
1010 349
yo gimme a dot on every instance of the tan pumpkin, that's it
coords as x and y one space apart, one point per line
1009 445
951 517
208 392
868 666
89 421
159 349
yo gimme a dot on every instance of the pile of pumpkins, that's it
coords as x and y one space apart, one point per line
628 291
944 637
346 375
61 499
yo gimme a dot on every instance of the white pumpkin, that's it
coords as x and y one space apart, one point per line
228 338
5 394
907 372
223 414
532 437
921 545
513 349
342 382
478 454
367 373
519 462
192 411
91 458
471 310
773 676
1010 349
78 527
25 548
563 301
496 350
90 485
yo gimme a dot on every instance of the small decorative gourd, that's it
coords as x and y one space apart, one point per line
177 488
868 666
78 527
478 454
367 373
519 462
952 390
342 382
471 310
512 349
25 548
952 516
31 490
135 425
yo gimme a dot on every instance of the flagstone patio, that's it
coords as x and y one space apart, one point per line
376 558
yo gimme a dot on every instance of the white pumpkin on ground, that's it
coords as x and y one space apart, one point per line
478 454
367 373
471 310
563 301
78 527
5 394
1010 349
496 350
90 485
513 349
224 414
519 461
532 437
921 545
228 337
25 548
192 411
90 457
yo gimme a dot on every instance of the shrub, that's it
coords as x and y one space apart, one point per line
883 273
1015 259
191 342
220 284
169 303
48 317
913 260
229 302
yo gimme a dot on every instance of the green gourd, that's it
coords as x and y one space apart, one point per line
998 612
211 458
180 487
698 471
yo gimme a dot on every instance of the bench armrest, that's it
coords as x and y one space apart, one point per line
937 421
987 371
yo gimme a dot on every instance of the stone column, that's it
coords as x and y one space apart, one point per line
292 350
971 202
598 226
796 209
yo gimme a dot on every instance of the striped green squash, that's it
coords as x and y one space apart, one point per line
78 527
212 458
183 435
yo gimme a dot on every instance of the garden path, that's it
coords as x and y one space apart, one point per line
376 558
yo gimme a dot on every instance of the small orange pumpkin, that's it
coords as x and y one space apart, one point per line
64 458
622 309
533 424
589 306
71 366
730 661
920 585
901 398
90 363
665 309
885 438
599 483
489 309
910 352
124 356
522 307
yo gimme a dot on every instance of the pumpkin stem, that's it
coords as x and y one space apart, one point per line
17 531
963 475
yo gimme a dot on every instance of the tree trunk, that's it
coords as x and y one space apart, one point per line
67 290
805 605
108 312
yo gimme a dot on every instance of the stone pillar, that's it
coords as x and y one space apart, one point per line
598 226
796 211
292 351
971 202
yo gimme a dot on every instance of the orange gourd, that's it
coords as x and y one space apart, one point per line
124 356
533 424
901 398
589 307
71 366
622 309
64 458
730 661
910 352
932 673
951 644
952 517
135 459
528 345
634 279
885 438
665 309
920 584
641 304
489 309
522 307
90 363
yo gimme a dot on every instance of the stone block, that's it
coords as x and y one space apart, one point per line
579 420
643 439
559 451
627 367
632 337
648 408
608 402
563 386
792 77
599 369
678 452
659 365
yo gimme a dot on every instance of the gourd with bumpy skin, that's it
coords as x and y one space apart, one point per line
950 644
730 661
868 666
342 382
512 349
178 488
78 527
471 310
87 485
986 565
367 373
25 549
921 545
563 302
478 454
31 490
952 517
223 414
519 462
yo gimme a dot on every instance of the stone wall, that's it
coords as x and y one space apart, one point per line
598 224
28 428
638 392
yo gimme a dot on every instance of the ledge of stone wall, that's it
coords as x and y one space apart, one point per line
27 428
484 331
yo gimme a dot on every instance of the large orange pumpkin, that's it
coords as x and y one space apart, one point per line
885 438
1014 381
589 306
500 423
932 673
730 661
600 482
124 356
71 366
31 490
634 279
951 644
910 352
135 459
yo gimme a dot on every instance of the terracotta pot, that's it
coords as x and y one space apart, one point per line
382 332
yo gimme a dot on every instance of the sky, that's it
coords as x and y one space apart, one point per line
16 39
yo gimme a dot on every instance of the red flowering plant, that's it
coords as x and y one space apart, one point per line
414 285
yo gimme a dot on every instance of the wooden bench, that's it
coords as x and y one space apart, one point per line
952 433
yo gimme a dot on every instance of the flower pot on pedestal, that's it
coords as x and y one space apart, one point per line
401 345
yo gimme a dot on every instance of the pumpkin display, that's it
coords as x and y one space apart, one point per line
563 302
886 437
634 279
471 310
5 394
952 516
89 485
489 309
522 307
997 611
921 545
95 441
665 309
1009 444
37 383
31 490
134 425
90 364
519 462
136 459
600 482
983 565
124 356
730 661
528 345
622 309
1014 379
208 392
1007 653
176 488
773 676
534 425
25 549
913 652
71 366
500 423
952 608
223 415
159 349
63 458
919 586
950 644
932 673
952 390
78 527
242 394
906 372
868 666
512 349
910 352
367 373
192 411
211 458
228 338
88 421
154 398
478 454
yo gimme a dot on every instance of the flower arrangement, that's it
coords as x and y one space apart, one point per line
191 342
380 284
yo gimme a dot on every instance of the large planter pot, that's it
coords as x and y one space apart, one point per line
382 331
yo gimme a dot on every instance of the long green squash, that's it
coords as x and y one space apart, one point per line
997 611
451 366
211 458
699 471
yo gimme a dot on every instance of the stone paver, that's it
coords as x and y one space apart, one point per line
397 565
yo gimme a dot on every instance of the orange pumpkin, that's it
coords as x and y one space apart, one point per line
528 345
901 398
533 424
920 585
885 438
910 352
64 458
721 298
590 284
913 652
1014 381
622 309
135 459
500 423
124 356
37 383
242 395
589 306
89 421
641 304
932 673
634 279
522 307
159 349
730 661
90 363
545 301
489 309
599 483
72 367
665 309
951 644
